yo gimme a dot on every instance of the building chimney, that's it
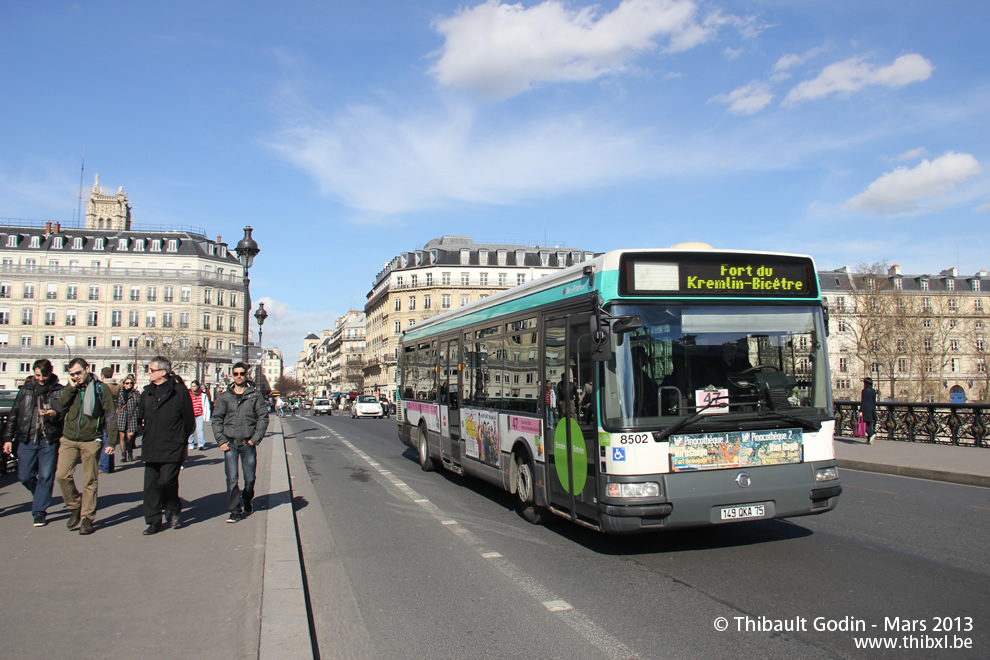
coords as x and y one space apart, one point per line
219 238
894 270
58 228
949 272
48 228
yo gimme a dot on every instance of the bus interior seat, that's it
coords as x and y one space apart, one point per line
776 387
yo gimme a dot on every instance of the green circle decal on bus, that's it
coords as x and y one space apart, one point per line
579 455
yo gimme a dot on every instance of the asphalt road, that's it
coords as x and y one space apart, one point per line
404 563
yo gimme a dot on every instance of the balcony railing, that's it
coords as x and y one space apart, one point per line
960 424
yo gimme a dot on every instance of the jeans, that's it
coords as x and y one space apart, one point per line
36 470
248 455
106 460
197 435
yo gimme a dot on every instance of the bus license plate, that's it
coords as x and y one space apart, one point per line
741 512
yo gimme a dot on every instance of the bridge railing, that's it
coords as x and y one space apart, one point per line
960 424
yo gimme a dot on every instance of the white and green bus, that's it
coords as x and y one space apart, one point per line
640 390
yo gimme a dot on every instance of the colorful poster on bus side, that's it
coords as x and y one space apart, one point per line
735 449
480 434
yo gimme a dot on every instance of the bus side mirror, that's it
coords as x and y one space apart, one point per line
601 340
626 324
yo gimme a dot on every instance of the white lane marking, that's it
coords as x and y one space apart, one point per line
609 646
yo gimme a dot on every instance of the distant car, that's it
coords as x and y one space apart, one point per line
7 400
366 406
322 407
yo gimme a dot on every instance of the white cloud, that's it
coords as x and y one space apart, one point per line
982 208
854 74
500 50
383 164
748 99
912 154
285 327
792 60
902 190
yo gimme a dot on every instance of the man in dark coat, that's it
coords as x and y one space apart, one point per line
167 412
32 431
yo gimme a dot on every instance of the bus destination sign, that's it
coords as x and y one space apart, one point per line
771 277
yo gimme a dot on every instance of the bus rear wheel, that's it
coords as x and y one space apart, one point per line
526 492
425 461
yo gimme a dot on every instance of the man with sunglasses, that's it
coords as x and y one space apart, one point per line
88 407
167 411
240 420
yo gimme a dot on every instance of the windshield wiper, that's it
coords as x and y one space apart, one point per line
806 424
660 436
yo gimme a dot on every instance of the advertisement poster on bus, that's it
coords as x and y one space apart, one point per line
528 429
480 434
734 449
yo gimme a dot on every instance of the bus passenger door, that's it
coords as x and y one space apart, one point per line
450 385
572 424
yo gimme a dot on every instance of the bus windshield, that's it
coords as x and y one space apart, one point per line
719 363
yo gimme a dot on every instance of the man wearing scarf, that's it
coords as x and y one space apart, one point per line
33 430
167 411
87 407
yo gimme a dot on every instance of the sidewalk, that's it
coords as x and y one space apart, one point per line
206 590
959 465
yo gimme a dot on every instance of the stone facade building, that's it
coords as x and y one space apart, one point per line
116 295
919 337
448 272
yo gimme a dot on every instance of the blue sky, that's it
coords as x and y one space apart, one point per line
348 131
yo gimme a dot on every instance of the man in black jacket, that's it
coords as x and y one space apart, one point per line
167 411
33 430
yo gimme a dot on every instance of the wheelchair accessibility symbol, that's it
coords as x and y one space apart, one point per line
618 454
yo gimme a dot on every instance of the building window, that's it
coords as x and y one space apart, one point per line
483 279
4 317
25 340
149 319
207 296
981 366
11 240
49 317
35 241
206 321
233 324
426 302
902 365
412 303
152 293
233 299
166 319
93 318
843 326
979 344
77 243
413 280
52 292
71 292
4 289
928 345
954 365
843 364
91 341
465 279
173 245
953 344
94 291
28 291
116 318
133 318
139 245
977 305
49 340
520 278
398 327
445 301
27 316
398 304
70 317
444 279
465 300
118 292
429 279
184 320
168 294
926 304
156 245
185 294
122 245
924 285
220 293
219 321
953 304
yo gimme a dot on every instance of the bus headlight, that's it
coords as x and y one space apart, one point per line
827 474
647 489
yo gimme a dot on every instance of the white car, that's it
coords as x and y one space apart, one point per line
366 406
321 407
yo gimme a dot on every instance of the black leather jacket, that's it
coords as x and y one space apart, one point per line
18 426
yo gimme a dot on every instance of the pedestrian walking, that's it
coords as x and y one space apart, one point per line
240 420
201 409
868 408
87 406
32 432
127 417
106 465
166 411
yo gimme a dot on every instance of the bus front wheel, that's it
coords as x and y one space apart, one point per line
425 461
526 492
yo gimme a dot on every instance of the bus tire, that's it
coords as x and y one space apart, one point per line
526 491
423 445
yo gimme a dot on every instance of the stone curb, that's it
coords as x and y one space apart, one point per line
918 473
285 631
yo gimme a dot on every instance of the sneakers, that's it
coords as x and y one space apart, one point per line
233 517
202 448
869 440
73 521
86 527
39 520
248 508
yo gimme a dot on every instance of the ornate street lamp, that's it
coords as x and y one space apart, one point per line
247 249
260 315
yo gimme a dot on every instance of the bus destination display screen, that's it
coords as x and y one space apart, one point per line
718 275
